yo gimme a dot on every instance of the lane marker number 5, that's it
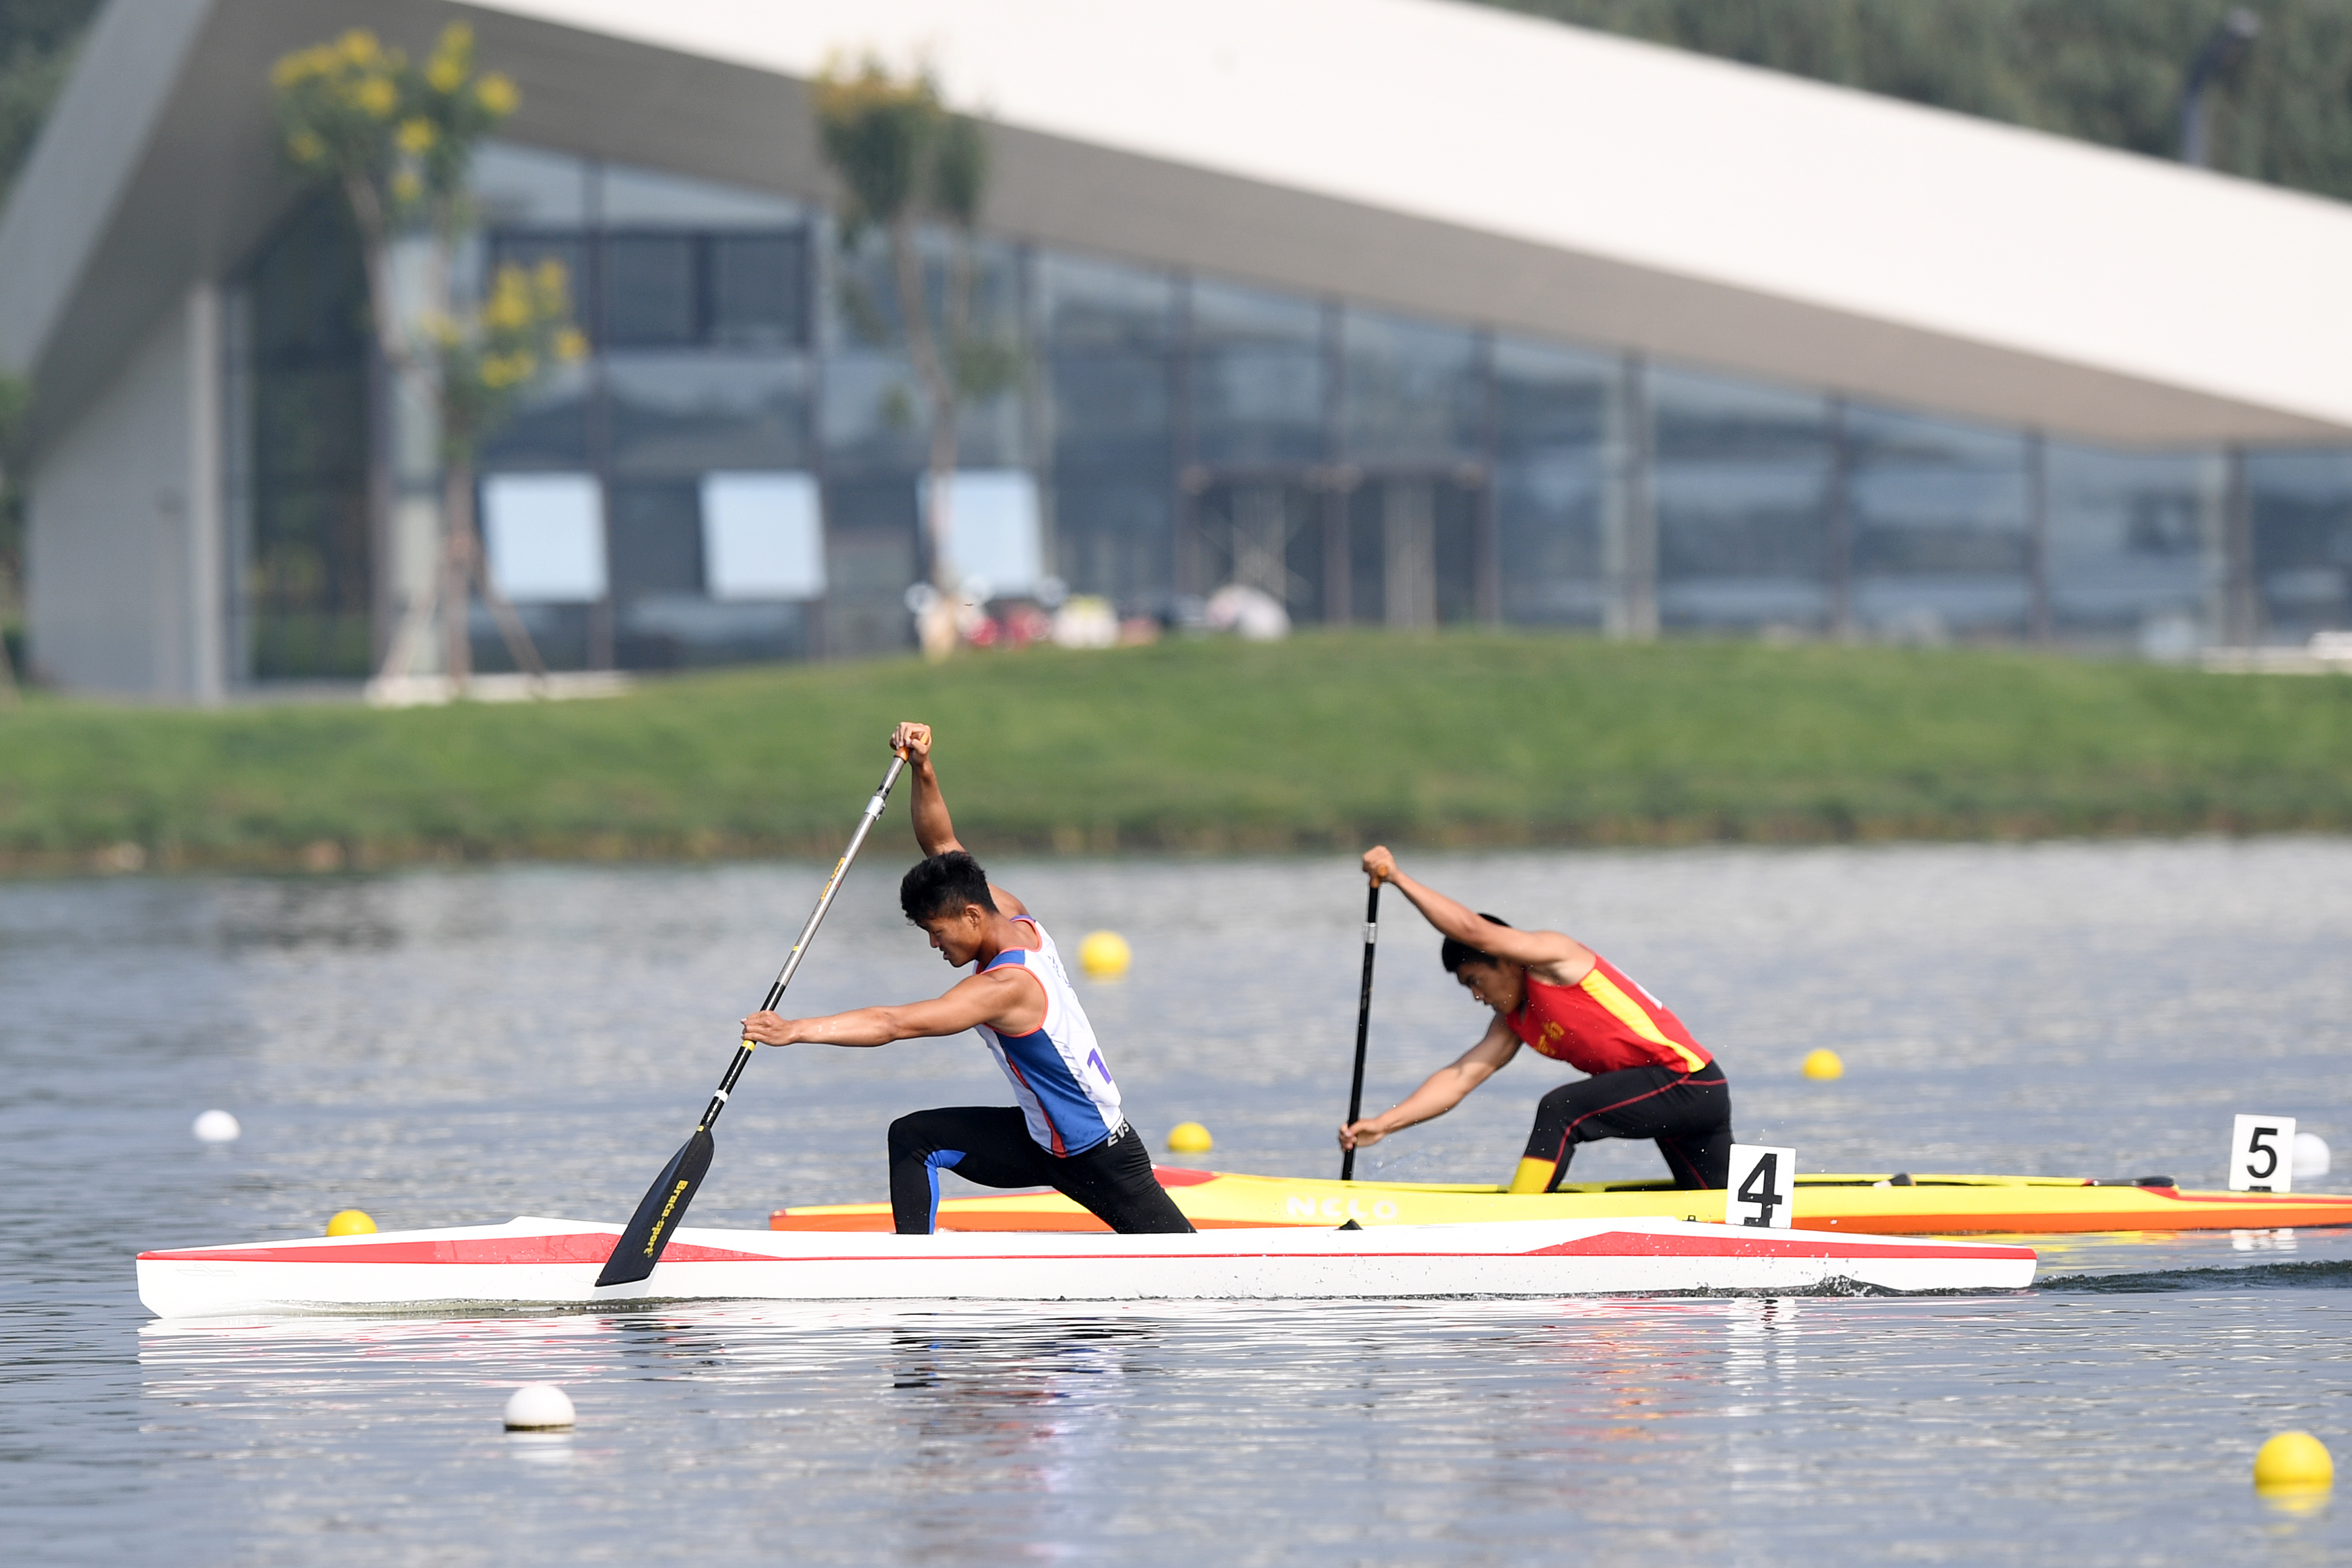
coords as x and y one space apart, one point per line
2261 1154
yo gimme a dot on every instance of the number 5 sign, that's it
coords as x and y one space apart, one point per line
2261 1154
1763 1182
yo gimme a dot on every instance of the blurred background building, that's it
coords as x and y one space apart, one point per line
1407 312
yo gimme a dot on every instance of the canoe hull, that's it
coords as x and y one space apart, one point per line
540 1263
1937 1206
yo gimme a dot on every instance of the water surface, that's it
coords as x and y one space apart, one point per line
451 1048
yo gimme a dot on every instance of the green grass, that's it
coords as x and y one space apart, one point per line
1324 740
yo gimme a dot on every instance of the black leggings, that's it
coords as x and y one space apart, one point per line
991 1144
1688 1113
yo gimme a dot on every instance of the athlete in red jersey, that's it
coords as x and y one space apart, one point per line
1649 1077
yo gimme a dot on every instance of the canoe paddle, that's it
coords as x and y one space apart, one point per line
1363 1026
663 1208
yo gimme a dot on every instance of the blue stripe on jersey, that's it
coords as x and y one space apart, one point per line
1069 1109
1076 1121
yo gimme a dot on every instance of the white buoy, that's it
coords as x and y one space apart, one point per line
538 1407
2310 1155
217 1127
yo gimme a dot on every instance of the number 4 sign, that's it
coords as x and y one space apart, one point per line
2261 1154
1763 1182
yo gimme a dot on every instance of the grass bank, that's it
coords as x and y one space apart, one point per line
1323 741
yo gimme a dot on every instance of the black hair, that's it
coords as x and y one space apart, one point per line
1454 955
944 884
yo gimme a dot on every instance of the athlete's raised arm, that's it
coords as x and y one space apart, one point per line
934 831
1555 957
1010 1003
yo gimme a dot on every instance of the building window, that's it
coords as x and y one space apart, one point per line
993 540
305 596
754 287
668 289
1260 378
1942 545
2302 543
649 296
1741 486
545 537
1109 359
762 537
1552 456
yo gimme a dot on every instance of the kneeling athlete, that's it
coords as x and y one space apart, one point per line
1066 1132
1650 1078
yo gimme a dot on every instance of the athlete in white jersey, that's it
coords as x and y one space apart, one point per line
1058 1071
1066 1132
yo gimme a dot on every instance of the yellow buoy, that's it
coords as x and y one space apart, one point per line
1189 1138
1104 955
1822 1063
2293 1462
351 1222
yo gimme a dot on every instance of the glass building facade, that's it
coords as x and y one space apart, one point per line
746 465
297 468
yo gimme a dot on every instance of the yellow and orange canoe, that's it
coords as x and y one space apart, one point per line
1869 1205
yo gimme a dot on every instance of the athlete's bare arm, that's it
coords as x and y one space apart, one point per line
1007 1000
1555 959
1441 1092
934 831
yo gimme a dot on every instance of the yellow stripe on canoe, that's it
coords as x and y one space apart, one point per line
1934 1205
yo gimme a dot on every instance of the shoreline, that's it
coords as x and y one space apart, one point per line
331 857
1330 741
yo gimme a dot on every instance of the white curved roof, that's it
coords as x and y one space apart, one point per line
1759 186
1479 166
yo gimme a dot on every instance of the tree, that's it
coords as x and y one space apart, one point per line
2108 71
905 159
398 139
36 40
486 360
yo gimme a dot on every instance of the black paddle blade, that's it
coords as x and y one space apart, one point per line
659 1213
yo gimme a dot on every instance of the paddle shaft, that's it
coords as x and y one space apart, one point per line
800 948
663 1208
1363 1024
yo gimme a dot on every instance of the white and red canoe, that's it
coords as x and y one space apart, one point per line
529 1263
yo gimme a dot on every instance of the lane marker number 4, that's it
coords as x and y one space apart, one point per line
1763 1186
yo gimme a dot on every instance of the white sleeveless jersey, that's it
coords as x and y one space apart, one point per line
1057 1071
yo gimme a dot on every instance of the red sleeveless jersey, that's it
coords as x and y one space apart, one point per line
1606 1023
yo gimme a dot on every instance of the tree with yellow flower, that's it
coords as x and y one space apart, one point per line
486 360
398 138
